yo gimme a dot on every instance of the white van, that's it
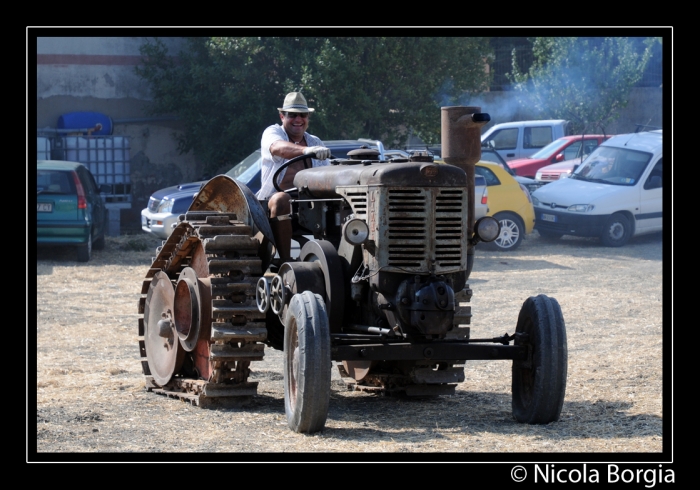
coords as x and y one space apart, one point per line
614 194
521 139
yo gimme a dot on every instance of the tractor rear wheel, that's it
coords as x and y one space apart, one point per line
539 382
307 363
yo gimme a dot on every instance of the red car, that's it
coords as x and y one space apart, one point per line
565 148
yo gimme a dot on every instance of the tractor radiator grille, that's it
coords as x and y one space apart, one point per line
358 202
449 220
408 231
425 230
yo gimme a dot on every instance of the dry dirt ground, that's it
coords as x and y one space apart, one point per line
90 394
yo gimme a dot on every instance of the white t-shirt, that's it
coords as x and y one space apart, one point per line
270 163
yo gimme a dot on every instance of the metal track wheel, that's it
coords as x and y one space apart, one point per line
213 259
165 356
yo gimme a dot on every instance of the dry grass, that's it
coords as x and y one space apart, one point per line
90 395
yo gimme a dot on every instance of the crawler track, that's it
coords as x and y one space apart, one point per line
223 253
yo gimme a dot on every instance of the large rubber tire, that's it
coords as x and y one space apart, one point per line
539 383
512 232
307 363
617 231
85 251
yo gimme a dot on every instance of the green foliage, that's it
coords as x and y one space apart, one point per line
584 80
226 90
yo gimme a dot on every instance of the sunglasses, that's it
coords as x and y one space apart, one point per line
293 115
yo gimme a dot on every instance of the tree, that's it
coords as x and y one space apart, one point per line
226 89
584 80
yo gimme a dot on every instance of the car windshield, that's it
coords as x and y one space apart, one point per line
615 166
548 150
245 169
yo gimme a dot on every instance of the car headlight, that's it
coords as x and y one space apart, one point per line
535 201
564 175
538 176
580 208
527 193
166 206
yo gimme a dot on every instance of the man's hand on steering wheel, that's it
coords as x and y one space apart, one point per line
321 152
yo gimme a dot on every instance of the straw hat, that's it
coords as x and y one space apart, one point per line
295 102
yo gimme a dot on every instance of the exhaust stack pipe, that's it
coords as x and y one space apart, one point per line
461 145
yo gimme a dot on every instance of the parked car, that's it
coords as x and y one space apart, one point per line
166 205
520 139
564 148
556 171
481 193
69 208
615 194
562 170
490 155
509 202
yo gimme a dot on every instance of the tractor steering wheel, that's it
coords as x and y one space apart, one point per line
287 164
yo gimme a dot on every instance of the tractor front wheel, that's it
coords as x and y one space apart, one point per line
307 363
539 382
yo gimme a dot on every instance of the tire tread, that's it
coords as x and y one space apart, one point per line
310 410
542 319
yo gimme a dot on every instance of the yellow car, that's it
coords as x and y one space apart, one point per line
510 203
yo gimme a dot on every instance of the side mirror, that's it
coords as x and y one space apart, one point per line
559 157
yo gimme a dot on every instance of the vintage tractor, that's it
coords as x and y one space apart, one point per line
380 289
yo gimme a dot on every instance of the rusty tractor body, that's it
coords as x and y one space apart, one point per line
381 289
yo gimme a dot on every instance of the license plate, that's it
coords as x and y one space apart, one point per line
549 217
44 207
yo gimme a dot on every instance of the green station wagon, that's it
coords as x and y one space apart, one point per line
69 208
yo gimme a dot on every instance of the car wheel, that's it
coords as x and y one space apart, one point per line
512 232
616 231
85 251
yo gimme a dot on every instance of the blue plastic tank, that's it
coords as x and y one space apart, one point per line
86 120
